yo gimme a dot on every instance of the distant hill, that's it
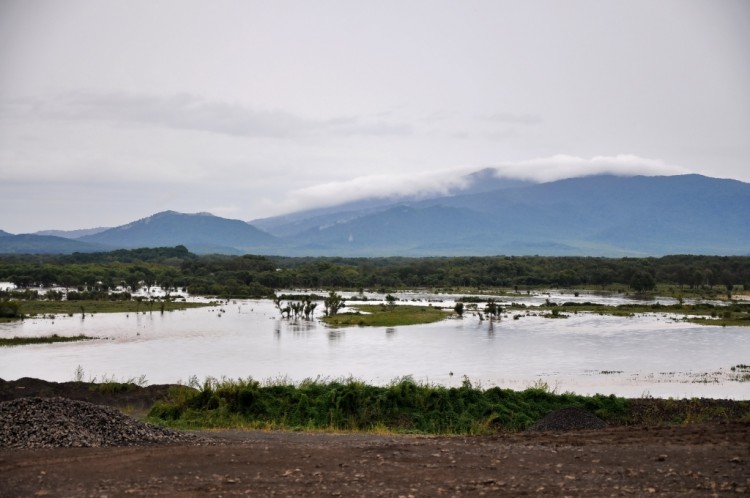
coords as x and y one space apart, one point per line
3 233
590 216
630 215
201 233
45 244
598 215
72 234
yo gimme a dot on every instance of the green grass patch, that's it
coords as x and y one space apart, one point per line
404 406
729 320
32 308
735 314
25 341
385 316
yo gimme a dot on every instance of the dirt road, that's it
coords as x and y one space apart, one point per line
694 460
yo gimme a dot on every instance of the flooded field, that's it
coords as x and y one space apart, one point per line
645 355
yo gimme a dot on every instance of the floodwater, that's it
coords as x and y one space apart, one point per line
646 355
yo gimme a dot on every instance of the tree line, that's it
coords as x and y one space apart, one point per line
177 269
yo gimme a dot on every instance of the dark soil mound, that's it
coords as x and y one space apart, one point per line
568 419
60 422
129 396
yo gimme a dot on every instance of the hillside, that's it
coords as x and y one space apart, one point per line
598 215
588 216
72 234
200 233
45 244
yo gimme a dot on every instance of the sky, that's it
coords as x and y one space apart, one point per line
111 111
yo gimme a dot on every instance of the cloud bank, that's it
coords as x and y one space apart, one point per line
562 166
453 181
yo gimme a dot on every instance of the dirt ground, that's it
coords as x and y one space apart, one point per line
690 460
697 460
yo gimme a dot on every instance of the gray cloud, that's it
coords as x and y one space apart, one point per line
190 112
513 119
360 126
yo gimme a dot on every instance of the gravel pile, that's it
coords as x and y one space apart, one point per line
61 422
568 419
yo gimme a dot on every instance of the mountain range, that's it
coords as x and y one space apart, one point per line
599 215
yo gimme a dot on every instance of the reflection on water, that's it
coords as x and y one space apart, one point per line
584 353
335 335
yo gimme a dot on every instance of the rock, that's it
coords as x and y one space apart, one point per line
61 422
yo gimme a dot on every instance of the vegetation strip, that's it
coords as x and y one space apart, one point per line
385 316
707 277
406 406
25 341
37 307
733 314
111 281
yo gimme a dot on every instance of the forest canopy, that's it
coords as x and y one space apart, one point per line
260 276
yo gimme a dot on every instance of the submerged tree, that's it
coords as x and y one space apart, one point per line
493 309
309 308
333 303
459 309
390 302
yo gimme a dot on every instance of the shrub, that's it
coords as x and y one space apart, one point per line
10 309
402 406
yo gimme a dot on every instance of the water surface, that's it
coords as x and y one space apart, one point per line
585 353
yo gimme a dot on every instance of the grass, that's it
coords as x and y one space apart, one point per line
404 406
741 373
32 308
25 341
742 320
113 386
736 314
687 411
383 316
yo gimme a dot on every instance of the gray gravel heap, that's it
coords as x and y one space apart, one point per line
568 419
61 422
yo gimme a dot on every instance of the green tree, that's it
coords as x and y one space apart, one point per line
10 309
333 303
642 281
390 302
459 309
493 309
309 308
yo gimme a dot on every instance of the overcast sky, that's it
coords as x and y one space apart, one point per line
111 111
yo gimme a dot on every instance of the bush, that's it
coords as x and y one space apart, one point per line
10 309
402 406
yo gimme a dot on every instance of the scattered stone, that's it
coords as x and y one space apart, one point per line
568 419
60 422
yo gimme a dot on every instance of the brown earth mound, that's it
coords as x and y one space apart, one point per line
132 397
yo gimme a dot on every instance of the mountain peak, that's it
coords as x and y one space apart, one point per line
200 232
